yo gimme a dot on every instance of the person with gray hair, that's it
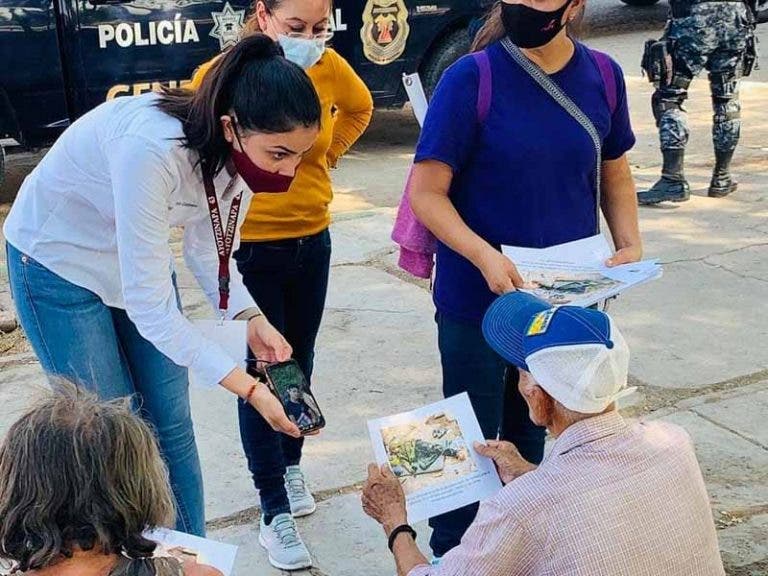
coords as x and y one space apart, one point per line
611 496
81 481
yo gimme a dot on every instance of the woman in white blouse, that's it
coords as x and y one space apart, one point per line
90 265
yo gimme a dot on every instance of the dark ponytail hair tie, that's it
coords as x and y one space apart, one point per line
255 47
267 93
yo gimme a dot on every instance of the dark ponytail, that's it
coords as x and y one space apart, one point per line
265 91
493 28
491 31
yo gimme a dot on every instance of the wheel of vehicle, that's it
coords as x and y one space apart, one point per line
762 12
640 2
445 53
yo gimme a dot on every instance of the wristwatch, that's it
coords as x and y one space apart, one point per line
399 530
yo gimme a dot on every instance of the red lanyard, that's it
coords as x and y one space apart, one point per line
224 238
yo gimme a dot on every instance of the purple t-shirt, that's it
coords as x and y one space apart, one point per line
526 177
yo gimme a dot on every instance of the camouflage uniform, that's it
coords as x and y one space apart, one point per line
714 37
701 35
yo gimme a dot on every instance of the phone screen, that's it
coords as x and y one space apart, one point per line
299 404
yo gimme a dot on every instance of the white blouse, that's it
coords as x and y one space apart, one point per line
98 211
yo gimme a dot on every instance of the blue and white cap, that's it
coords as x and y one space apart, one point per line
577 355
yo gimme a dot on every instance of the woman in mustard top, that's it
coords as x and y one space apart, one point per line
285 253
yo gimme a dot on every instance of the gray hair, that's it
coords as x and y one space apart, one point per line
77 473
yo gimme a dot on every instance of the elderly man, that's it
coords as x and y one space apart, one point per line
611 497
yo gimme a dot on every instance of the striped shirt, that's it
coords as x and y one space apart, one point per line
611 498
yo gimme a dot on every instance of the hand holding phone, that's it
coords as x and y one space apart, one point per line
287 382
261 398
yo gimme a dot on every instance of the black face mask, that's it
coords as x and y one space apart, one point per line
529 28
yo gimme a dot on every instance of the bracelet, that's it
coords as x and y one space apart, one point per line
248 314
399 530
250 393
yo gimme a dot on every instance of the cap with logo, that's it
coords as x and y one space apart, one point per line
577 355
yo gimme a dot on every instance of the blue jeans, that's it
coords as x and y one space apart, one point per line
77 337
470 365
288 279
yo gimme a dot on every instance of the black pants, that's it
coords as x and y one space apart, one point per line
470 365
288 279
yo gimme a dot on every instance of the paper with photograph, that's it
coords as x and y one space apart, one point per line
575 273
431 451
201 550
178 545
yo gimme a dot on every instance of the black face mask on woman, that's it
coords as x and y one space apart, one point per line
529 28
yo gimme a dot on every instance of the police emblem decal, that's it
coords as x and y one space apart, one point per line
227 26
385 30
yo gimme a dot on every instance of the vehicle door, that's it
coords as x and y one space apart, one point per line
128 47
32 100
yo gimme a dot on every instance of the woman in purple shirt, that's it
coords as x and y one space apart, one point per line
524 175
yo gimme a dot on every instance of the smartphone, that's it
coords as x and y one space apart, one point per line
288 383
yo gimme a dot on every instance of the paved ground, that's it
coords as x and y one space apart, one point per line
698 338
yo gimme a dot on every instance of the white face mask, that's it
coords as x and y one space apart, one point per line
302 51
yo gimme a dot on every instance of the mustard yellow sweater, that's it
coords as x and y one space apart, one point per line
347 107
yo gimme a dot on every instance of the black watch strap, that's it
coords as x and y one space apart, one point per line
399 530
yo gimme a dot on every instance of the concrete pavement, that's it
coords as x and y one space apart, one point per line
698 339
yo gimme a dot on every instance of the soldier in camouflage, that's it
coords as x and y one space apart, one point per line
701 35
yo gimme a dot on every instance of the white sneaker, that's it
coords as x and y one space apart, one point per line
301 499
283 544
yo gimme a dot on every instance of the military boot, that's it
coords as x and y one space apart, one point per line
673 186
722 182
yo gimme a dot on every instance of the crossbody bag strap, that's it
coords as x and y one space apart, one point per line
551 88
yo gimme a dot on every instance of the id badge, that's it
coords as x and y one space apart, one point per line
231 335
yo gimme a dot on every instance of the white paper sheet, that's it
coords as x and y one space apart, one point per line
231 335
210 552
416 95
443 472
575 273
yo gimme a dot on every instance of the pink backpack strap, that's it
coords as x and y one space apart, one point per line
485 85
608 75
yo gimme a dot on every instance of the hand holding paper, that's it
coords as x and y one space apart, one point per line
499 272
625 256
383 498
578 274
509 463
430 452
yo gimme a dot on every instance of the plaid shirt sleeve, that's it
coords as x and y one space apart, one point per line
496 544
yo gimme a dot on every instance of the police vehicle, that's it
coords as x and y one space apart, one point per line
60 58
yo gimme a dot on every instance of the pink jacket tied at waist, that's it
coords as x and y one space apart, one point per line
417 244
